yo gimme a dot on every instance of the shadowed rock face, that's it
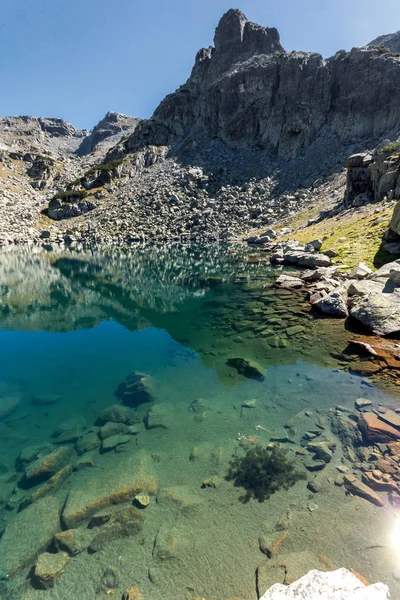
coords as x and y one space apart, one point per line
248 92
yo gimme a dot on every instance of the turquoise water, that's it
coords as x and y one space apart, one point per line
75 325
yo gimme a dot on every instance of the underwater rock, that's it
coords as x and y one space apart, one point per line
8 404
332 585
114 484
270 543
51 485
46 466
88 442
142 500
74 424
31 453
73 541
356 487
322 450
111 428
46 399
49 569
136 389
118 414
157 417
268 574
376 430
210 482
245 367
165 543
179 496
132 593
27 535
125 522
115 440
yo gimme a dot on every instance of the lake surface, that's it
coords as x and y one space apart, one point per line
75 325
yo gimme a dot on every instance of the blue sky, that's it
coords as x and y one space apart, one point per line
77 59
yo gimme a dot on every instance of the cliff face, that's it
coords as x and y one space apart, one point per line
248 92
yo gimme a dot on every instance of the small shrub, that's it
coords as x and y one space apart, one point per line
263 471
113 164
70 195
392 147
382 49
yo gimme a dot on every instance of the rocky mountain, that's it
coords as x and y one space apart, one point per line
391 41
108 132
247 92
251 137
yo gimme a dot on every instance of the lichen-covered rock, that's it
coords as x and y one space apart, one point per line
331 585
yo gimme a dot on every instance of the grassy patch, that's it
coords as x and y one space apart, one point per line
355 234
392 147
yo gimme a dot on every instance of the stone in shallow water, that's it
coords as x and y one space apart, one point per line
27 535
49 569
376 430
43 468
118 414
246 367
115 440
8 404
73 541
332 585
114 484
111 428
123 523
88 442
136 389
157 417
356 487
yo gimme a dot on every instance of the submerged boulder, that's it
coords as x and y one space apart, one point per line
245 367
136 389
28 535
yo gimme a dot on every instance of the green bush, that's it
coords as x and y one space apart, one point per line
263 471
70 195
382 49
113 164
392 147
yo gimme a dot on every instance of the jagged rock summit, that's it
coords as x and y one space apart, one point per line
249 93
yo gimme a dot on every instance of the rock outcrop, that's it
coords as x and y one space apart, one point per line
248 92
109 130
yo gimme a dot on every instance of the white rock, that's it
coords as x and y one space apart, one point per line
333 585
360 271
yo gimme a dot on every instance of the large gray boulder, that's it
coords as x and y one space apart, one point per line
332 585
334 304
379 312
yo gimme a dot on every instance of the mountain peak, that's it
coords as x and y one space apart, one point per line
236 37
